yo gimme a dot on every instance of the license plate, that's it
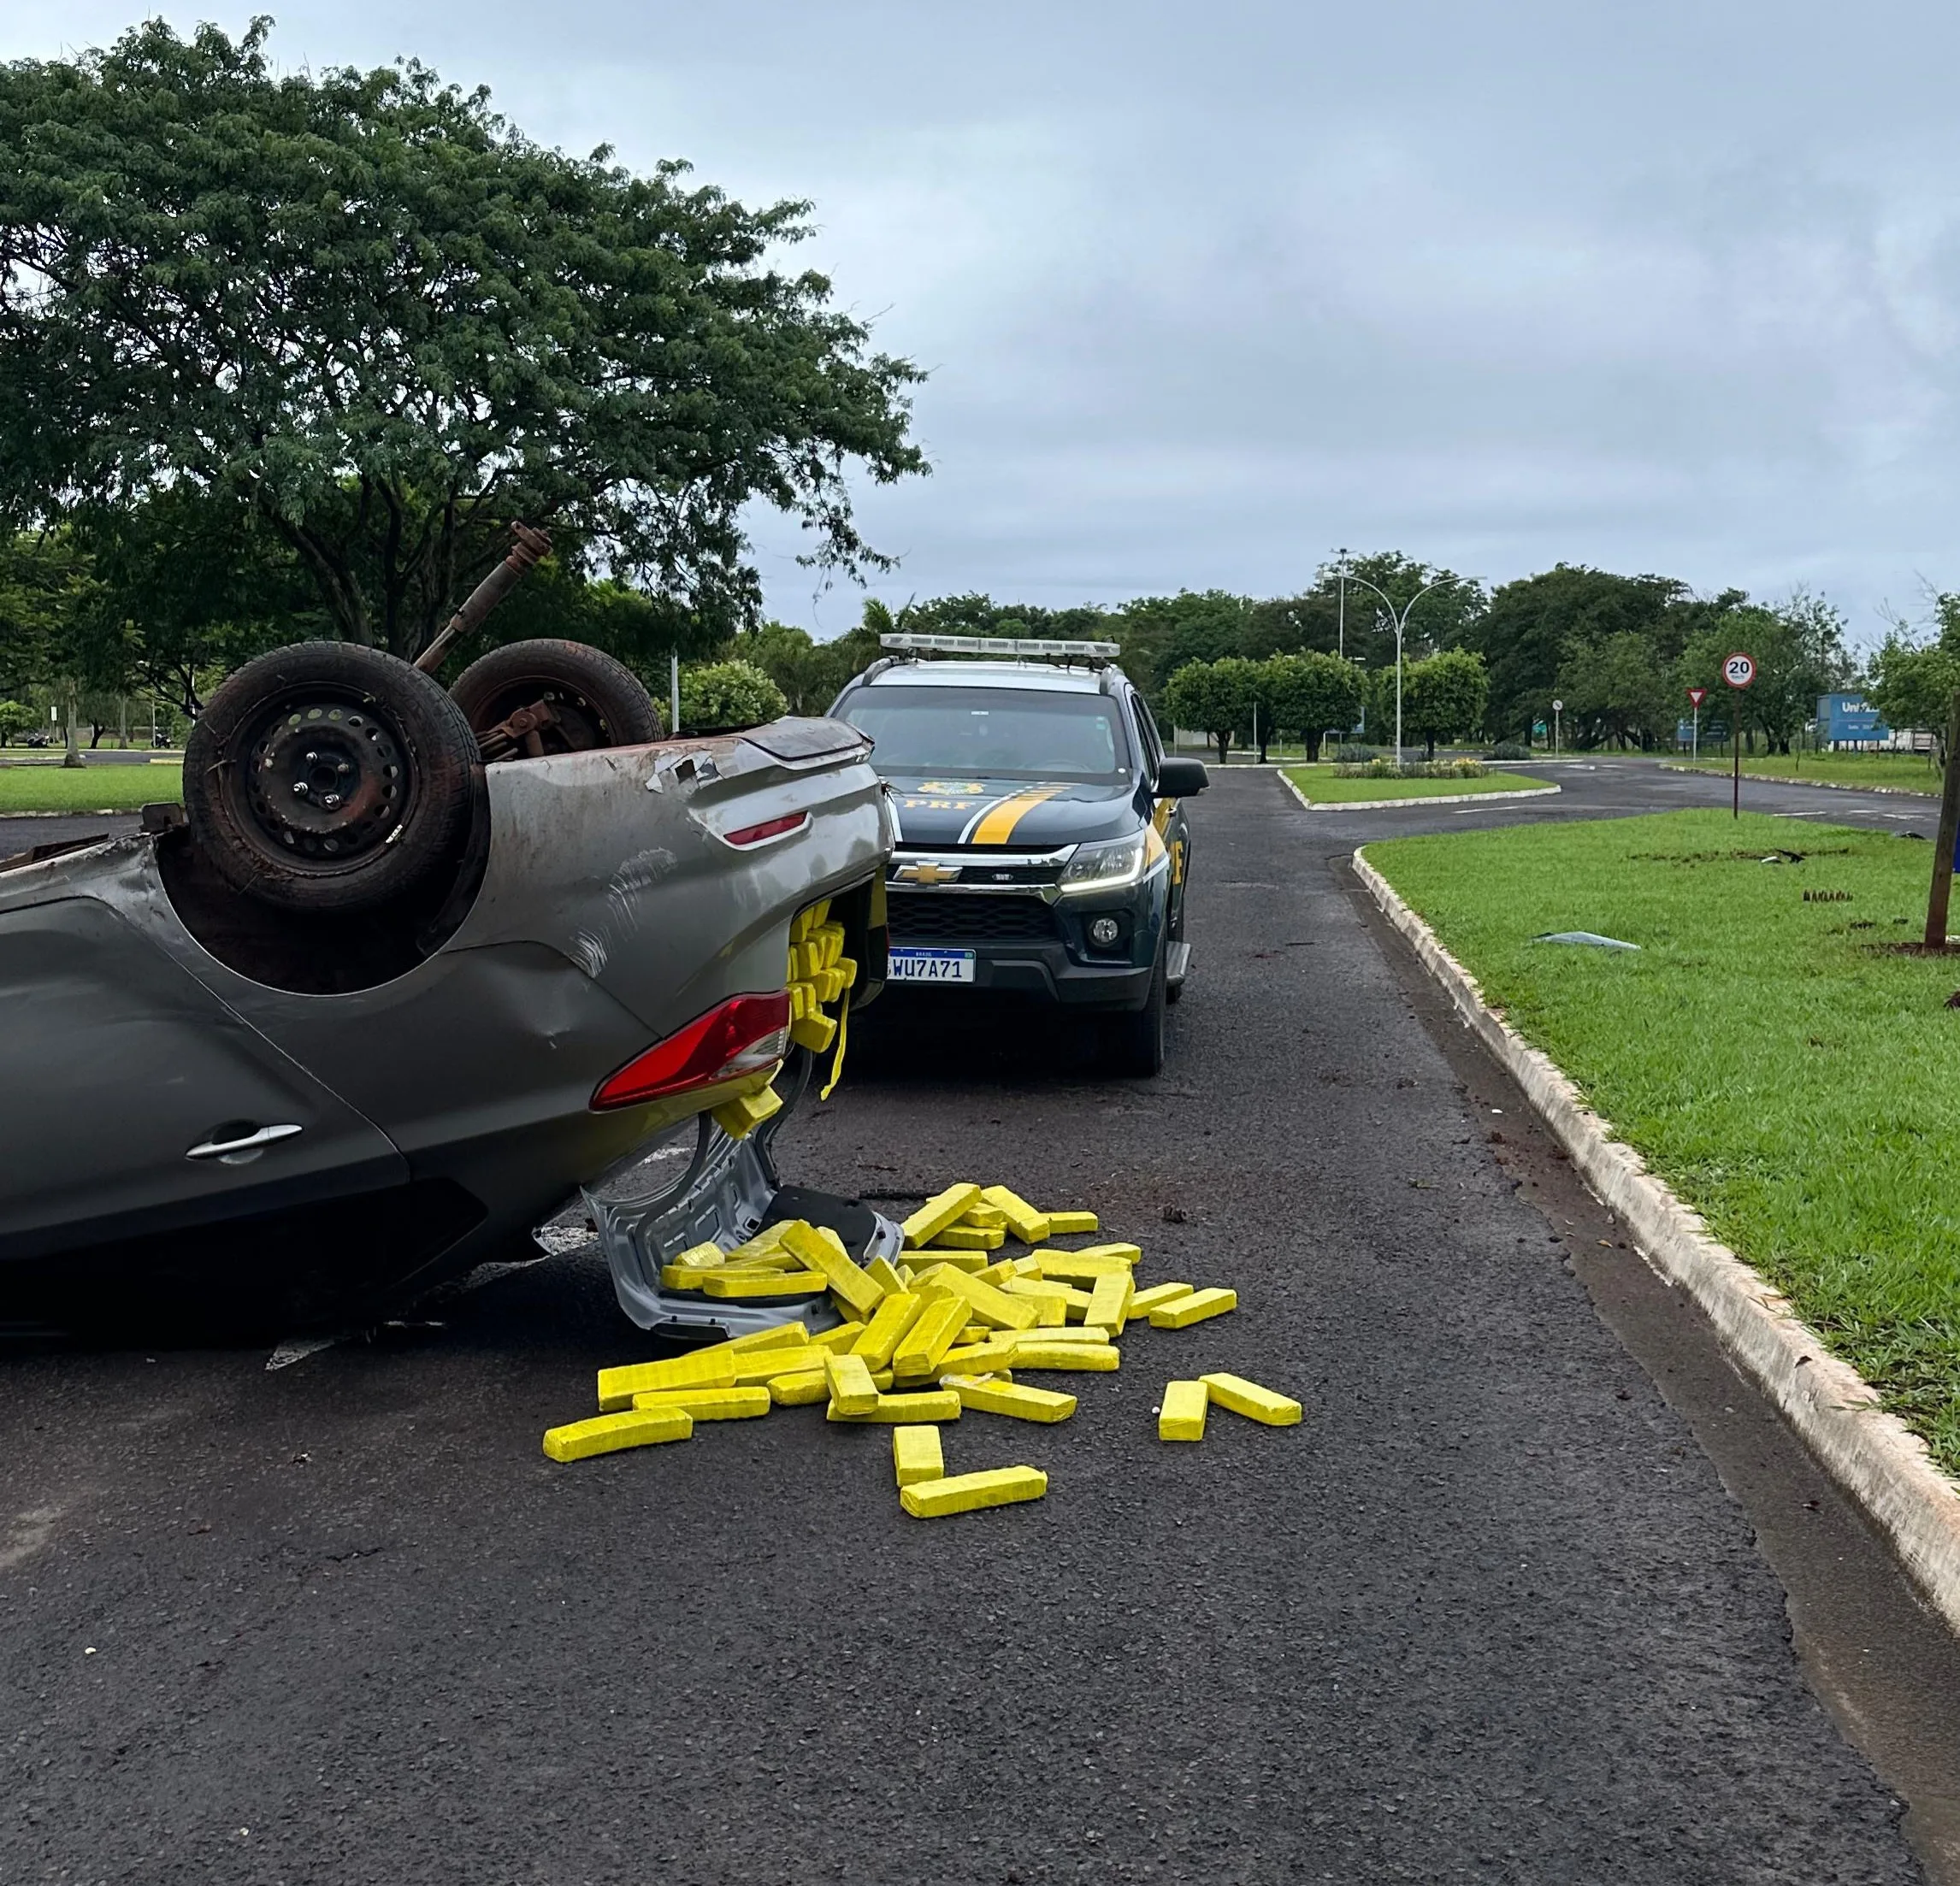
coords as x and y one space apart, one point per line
930 966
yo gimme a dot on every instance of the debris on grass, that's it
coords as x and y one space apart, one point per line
1590 938
940 1333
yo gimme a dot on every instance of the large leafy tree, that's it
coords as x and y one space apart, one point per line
1443 696
1311 693
1616 688
1798 647
367 310
1525 635
1216 697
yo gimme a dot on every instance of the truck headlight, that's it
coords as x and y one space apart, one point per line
1110 864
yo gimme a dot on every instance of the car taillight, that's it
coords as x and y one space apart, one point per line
744 1036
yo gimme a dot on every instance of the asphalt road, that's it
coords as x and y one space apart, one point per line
1501 1610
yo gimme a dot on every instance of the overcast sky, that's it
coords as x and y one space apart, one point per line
1207 290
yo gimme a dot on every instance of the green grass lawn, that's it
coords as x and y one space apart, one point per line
57 788
1912 771
1323 788
1791 1078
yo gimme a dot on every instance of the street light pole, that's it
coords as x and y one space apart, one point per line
1400 623
1340 617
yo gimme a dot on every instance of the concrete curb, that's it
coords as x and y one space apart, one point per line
1816 786
1401 804
1878 1460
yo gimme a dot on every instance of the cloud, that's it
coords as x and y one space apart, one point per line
1205 292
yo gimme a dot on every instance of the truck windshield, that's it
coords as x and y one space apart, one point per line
986 733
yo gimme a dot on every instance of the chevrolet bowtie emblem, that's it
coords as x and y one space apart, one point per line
927 873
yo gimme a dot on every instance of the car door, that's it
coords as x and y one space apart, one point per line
133 1102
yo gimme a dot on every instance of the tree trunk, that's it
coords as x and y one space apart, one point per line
72 756
1225 742
1943 844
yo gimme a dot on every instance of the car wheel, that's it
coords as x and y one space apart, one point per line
594 700
330 777
1133 1044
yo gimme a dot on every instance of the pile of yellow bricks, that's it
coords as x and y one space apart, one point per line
944 1331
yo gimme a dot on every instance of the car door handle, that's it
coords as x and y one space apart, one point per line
248 1144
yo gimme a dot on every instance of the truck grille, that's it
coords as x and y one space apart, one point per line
917 917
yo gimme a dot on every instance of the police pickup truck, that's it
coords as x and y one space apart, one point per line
1042 848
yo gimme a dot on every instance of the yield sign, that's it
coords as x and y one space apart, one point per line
1697 695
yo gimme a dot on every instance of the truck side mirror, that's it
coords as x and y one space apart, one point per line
1181 778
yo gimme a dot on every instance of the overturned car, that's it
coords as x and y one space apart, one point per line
411 969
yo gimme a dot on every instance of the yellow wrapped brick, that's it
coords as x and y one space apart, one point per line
783 1335
611 1433
973 1333
971 1262
815 1032
800 1390
1109 1304
988 1394
741 1116
884 1273
1081 1333
763 1285
713 1368
985 1217
673 1277
1146 1301
707 1404
1094 1356
929 1337
987 1304
1254 1403
698 1256
889 1322
1131 1254
851 1391
972 1492
1027 1224
1069 1224
1077 1266
1051 1300
938 1211
1182 1416
828 1257
1199 1306
765 1364
916 1455
844 1336
766 1243
979 1357
924 1405
967 1237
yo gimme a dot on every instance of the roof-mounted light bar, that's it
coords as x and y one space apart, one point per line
1003 645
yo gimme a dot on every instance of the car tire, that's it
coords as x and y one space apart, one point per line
598 701
1133 1044
327 777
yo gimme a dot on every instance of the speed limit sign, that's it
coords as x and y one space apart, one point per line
1738 670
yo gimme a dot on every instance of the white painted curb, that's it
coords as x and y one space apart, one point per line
1815 785
1423 798
1872 1455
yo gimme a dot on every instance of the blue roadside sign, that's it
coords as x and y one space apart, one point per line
1849 719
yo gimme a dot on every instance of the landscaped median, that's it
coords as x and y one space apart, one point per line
50 786
1871 772
1776 1059
1321 785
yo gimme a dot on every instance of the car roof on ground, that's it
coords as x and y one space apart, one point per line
1044 675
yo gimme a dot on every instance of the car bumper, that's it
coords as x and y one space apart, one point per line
694 1185
1046 956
